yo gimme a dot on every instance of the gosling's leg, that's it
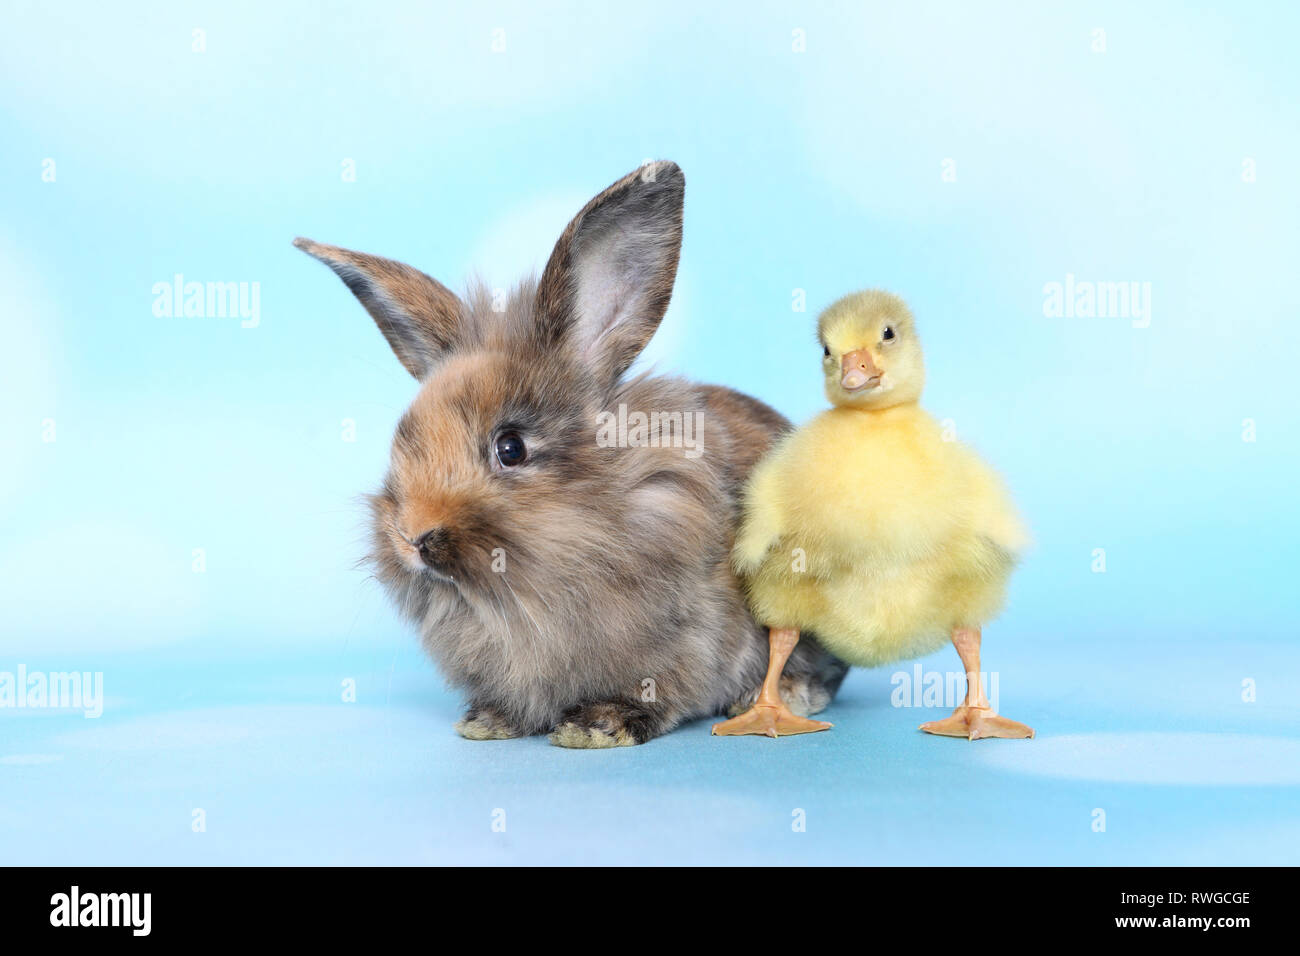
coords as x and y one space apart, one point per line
769 715
974 718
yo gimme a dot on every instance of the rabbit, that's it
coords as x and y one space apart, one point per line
569 585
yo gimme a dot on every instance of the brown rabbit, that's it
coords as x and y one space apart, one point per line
571 584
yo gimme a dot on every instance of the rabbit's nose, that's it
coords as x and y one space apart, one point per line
434 547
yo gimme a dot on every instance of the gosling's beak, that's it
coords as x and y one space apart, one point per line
858 371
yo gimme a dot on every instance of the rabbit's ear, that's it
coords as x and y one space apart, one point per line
420 317
608 282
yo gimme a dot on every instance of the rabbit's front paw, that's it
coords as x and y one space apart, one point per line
483 723
597 726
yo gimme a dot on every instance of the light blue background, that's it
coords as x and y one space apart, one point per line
818 171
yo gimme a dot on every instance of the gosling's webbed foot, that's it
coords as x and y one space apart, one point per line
974 723
770 720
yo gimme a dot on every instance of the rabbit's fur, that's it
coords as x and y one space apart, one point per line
587 590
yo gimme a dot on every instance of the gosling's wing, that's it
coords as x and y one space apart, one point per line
762 517
996 518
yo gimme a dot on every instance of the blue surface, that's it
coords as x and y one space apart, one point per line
818 171
1184 771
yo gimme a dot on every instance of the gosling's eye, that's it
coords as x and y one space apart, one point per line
826 351
887 334
510 449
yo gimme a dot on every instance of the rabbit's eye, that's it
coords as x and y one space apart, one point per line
510 449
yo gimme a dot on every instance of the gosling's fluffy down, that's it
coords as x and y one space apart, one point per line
866 526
